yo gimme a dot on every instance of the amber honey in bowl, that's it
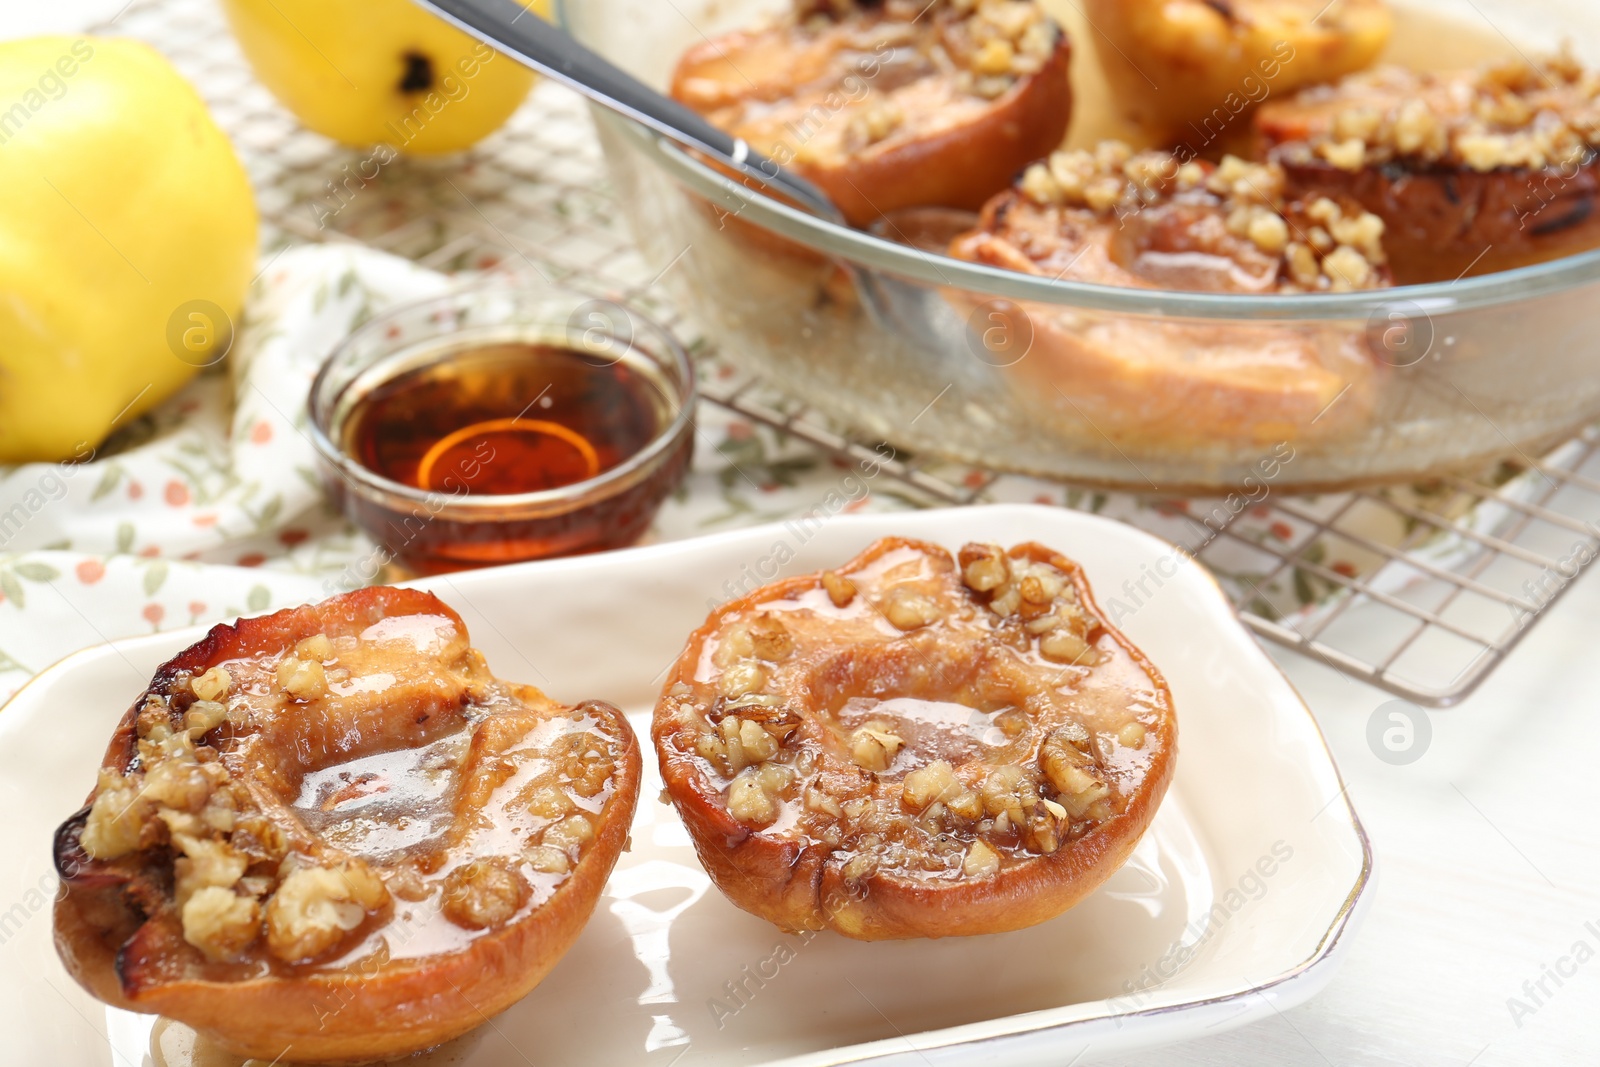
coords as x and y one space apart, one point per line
505 419
500 424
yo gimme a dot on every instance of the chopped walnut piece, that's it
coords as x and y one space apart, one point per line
546 859
484 894
840 590
742 679
1064 646
205 863
1072 773
981 861
301 678
220 923
315 907
405 883
749 803
770 640
984 568
573 832
549 802
116 818
872 746
908 609
876 122
316 648
204 716
213 684
926 785
178 783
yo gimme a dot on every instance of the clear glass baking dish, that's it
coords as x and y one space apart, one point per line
1413 380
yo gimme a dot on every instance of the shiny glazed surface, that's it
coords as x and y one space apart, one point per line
915 745
313 818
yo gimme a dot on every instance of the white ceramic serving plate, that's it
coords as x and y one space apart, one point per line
1236 905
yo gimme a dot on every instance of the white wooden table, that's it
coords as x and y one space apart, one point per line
1488 850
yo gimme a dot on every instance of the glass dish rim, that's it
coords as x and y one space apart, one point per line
601 485
876 253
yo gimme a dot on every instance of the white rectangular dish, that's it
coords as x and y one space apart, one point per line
1236 905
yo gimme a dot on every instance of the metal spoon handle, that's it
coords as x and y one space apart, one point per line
514 30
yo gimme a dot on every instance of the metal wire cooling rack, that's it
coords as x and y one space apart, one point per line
1421 591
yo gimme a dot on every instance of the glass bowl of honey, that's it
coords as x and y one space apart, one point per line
508 420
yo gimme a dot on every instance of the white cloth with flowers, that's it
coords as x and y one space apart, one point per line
211 506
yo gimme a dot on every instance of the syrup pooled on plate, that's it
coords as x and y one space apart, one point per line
508 419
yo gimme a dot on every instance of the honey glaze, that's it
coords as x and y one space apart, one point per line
505 419
481 427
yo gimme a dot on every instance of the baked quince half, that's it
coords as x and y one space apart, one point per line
915 744
1472 171
1190 71
1150 221
893 104
330 834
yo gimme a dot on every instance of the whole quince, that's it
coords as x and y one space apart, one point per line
368 72
127 240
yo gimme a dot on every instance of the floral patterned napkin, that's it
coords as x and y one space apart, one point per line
211 506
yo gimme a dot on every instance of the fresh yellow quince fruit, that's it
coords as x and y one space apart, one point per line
369 72
127 240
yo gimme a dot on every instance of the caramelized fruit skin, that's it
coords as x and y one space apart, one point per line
349 866
898 759
861 108
1473 171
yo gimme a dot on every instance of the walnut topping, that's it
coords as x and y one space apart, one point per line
873 746
204 863
213 684
937 784
875 122
1506 115
745 735
770 640
546 859
484 894
840 590
749 801
570 834
742 678
908 609
1114 182
549 802
220 923
204 716
1039 597
981 861
995 43
302 678
316 648
315 907
1071 772
985 568
116 818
